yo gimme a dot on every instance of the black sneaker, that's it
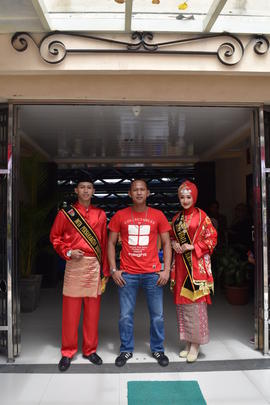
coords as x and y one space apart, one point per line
161 358
123 357
94 358
64 363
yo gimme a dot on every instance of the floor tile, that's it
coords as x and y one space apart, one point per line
228 388
230 330
82 389
23 388
41 331
261 379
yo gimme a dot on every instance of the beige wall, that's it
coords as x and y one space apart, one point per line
137 88
144 78
196 80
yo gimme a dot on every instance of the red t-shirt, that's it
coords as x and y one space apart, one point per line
139 232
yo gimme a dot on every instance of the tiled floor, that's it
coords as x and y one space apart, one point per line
218 388
231 328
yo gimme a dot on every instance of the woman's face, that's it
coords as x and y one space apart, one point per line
186 200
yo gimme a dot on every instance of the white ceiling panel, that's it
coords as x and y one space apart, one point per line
80 133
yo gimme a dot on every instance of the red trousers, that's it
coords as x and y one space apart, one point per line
70 324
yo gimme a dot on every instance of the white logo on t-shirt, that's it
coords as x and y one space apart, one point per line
138 235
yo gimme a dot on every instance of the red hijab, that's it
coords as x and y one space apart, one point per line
189 188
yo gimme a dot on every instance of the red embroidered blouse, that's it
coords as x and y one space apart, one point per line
204 238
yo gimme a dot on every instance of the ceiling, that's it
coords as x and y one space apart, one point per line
196 16
77 134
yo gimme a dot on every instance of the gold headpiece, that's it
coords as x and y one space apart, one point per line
184 189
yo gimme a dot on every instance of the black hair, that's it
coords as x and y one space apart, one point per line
83 178
133 181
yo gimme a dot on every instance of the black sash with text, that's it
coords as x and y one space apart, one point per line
189 289
84 229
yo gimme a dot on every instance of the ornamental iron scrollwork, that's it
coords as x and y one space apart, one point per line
53 50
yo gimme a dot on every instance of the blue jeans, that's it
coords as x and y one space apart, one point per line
127 299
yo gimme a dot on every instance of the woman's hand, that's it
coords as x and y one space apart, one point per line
176 247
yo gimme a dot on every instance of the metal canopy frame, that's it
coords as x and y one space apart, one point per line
209 20
213 14
168 16
109 16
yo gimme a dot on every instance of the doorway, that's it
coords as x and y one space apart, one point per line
208 144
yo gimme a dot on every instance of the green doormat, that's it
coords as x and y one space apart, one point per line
164 393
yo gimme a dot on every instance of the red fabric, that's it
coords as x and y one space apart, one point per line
204 237
64 236
188 185
139 232
70 324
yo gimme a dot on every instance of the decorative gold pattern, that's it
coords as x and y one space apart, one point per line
181 233
206 233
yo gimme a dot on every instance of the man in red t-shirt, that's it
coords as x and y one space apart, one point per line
139 227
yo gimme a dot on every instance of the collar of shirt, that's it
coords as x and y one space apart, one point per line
81 208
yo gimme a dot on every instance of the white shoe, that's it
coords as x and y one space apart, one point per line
186 350
183 353
193 353
192 357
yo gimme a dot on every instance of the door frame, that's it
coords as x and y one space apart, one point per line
261 172
259 192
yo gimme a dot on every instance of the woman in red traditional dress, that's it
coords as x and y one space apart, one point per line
193 240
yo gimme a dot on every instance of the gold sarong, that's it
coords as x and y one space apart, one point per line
82 278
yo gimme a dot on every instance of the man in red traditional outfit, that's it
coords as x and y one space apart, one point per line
193 240
79 236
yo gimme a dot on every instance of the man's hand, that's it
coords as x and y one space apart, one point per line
163 277
76 254
187 246
118 279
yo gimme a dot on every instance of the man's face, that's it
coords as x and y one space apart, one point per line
138 192
84 191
